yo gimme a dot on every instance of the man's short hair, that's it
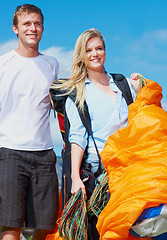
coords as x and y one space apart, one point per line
26 8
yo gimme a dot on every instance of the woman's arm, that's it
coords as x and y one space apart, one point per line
78 137
76 159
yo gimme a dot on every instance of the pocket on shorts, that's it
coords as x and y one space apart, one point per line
52 157
2 151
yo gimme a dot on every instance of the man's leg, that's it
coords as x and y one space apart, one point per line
43 202
13 191
10 233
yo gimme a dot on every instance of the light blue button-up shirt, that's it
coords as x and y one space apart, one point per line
106 117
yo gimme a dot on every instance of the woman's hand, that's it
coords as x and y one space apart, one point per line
134 80
76 185
76 159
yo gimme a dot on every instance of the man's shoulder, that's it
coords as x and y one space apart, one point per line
49 59
7 57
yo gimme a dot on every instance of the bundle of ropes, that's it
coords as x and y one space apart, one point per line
74 219
99 197
142 83
73 223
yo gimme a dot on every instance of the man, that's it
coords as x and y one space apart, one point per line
28 178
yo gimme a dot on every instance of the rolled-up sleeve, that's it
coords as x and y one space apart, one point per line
77 134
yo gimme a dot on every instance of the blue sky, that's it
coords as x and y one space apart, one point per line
135 34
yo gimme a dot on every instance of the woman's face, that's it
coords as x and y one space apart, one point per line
95 54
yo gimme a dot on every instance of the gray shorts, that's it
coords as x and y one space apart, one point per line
28 189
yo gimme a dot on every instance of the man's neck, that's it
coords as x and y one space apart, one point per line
27 52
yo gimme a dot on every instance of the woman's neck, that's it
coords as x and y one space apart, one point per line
99 78
102 81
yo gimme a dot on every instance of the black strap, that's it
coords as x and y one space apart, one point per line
121 82
86 121
85 118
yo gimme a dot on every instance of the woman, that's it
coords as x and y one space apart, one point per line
107 107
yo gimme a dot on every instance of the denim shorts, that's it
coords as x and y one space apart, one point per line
28 189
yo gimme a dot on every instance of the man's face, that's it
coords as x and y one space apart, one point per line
29 29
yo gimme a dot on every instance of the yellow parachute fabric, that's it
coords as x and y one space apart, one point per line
135 159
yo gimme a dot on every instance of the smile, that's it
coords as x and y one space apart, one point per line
95 60
32 35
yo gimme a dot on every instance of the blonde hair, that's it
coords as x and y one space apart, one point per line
79 71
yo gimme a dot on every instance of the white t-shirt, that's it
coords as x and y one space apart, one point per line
24 101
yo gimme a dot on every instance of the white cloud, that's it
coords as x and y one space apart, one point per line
8 46
164 104
151 45
160 36
147 55
56 135
64 57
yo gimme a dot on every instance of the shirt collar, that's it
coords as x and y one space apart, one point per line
111 79
112 83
